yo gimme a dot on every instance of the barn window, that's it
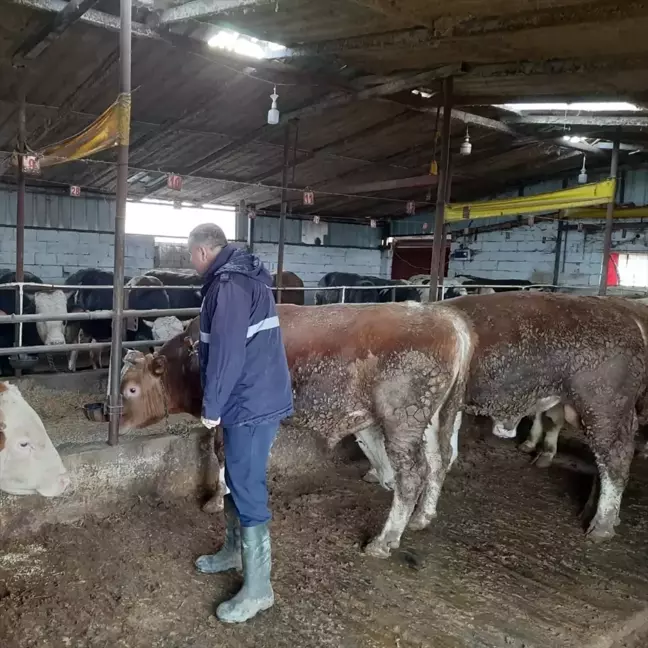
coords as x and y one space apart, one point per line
160 219
233 41
628 269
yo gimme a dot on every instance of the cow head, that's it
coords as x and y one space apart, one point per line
29 463
142 389
51 303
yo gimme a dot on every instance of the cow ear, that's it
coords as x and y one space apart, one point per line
158 365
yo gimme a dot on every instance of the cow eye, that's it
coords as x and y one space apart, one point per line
24 444
131 391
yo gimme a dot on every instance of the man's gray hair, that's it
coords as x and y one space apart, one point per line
207 235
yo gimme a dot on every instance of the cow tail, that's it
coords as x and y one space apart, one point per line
455 396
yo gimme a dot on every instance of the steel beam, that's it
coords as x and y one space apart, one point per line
92 17
471 119
467 28
632 121
388 185
35 45
200 8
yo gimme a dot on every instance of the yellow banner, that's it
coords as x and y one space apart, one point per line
596 193
110 129
600 212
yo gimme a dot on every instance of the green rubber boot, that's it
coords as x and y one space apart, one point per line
256 594
229 556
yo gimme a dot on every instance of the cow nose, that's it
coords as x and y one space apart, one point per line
57 341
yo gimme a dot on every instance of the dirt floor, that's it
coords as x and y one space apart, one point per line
504 565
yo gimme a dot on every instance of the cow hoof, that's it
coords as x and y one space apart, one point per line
371 477
543 460
527 446
214 505
420 522
377 549
599 533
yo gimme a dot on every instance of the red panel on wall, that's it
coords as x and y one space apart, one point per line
412 257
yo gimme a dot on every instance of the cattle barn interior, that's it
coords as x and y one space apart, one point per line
477 145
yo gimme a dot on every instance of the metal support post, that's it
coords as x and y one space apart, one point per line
120 222
438 243
609 217
284 210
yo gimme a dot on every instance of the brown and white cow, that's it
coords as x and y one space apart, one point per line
29 463
537 350
359 370
397 368
559 413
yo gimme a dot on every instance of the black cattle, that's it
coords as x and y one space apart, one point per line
8 307
138 295
364 289
180 298
141 294
498 285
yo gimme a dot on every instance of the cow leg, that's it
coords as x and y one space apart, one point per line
95 354
612 442
372 443
403 450
550 443
441 448
216 503
534 436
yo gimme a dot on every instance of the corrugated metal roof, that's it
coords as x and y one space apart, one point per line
202 115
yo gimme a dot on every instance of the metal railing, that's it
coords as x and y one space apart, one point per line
20 318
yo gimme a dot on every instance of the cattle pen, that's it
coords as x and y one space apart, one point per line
373 155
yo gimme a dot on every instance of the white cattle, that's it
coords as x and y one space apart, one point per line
29 463
51 303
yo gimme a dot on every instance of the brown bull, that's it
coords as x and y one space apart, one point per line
289 280
396 368
400 370
537 350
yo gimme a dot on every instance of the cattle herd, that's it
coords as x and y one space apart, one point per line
152 291
398 377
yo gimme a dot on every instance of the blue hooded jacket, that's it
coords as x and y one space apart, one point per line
243 364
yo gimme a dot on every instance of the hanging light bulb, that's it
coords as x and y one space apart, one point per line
273 113
466 146
582 176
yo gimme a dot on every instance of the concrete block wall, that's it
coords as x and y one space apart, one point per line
54 255
312 262
528 252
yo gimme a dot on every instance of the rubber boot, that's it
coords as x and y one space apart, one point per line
256 594
229 556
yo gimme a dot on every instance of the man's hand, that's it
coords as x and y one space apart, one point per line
210 424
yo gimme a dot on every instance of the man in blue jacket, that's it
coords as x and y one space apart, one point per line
247 389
